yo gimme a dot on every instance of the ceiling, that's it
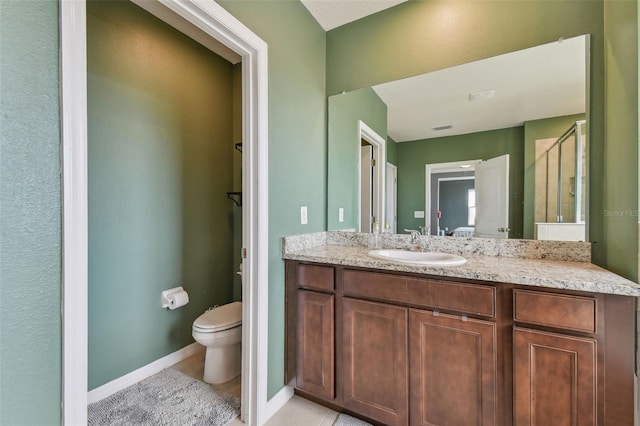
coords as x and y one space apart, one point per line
331 14
540 82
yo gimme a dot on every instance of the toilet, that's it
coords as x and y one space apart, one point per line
220 331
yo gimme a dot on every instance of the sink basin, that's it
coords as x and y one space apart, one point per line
426 258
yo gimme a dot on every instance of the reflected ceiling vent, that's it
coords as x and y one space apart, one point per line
477 96
446 127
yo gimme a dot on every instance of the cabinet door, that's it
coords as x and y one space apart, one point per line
453 370
554 379
315 351
374 345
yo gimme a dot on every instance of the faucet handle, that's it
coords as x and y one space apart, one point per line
424 230
415 235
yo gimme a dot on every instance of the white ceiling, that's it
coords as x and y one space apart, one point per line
334 13
540 82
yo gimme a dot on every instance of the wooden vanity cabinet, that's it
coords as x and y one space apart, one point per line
453 370
311 349
316 347
573 358
374 360
405 349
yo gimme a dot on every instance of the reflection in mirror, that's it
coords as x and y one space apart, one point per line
492 108
560 182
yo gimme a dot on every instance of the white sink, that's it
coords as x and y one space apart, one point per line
427 258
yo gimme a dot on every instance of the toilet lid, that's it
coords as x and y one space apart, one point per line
220 318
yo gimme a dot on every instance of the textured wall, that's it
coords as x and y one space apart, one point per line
345 110
621 135
30 256
160 164
297 140
413 156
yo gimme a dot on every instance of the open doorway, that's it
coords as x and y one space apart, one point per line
371 185
487 204
212 22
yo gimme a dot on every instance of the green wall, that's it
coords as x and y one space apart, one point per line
297 140
533 130
237 178
160 164
30 222
392 151
414 155
345 111
619 212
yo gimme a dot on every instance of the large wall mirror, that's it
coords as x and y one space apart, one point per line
492 148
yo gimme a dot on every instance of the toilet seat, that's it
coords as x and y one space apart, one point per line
219 319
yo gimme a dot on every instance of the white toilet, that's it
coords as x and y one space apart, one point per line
220 330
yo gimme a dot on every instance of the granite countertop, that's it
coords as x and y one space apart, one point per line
579 276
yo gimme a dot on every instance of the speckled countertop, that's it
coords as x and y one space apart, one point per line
571 275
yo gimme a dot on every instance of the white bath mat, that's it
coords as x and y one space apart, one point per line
168 398
346 420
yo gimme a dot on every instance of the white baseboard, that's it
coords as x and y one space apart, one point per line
143 372
278 401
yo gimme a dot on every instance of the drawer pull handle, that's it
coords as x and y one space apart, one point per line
436 312
464 318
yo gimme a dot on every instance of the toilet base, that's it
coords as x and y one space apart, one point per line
222 364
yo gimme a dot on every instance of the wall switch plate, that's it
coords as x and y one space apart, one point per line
418 214
340 214
303 215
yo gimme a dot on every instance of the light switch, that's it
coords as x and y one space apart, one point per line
303 215
341 214
418 214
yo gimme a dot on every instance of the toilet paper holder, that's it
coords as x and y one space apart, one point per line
167 297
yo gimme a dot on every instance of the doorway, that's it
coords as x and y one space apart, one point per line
371 178
490 195
212 23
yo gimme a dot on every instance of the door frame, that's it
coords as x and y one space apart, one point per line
434 168
220 25
393 202
380 157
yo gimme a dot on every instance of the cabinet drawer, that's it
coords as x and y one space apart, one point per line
575 313
459 297
315 277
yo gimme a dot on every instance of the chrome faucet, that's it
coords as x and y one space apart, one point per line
415 243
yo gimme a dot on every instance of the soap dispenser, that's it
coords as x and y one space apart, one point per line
376 241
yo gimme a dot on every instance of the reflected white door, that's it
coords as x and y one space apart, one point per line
492 198
366 187
392 198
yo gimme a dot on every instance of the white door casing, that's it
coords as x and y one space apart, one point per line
492 198
380 157
434 168
391 198
366 187
210 19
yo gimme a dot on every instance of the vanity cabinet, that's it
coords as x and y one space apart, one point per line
555 373
554 379
375 361
453 363
316 350
407 349
312 307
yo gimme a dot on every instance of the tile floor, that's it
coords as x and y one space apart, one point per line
297 412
